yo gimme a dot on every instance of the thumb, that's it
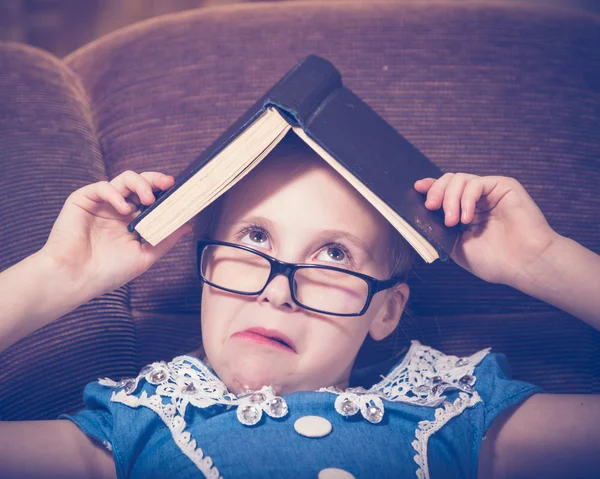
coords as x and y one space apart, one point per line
154 253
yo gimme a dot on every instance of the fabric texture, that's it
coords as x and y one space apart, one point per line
481 88
144 446
49 148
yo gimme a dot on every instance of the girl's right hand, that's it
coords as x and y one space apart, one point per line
89 240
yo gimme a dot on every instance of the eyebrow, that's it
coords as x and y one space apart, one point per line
322 234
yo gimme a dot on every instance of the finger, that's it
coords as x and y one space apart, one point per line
452 197
104 191
484 191
133 201
470 197
424 184
131 184
435 195
159 181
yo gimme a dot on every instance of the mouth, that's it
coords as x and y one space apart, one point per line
268 337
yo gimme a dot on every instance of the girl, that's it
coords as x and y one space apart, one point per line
298 269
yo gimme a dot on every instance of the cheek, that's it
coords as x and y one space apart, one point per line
345 335
217 312
338 340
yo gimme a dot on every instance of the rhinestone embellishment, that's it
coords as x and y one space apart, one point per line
374 414
189 388
130 385
276 407
157 376
354 400
348 407
257 398
249 415
420 379
253 403
197 386
466 383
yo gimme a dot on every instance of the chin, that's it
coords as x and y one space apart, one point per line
253 372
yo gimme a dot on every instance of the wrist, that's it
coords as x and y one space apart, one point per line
33 293
60 280
543 262
567 277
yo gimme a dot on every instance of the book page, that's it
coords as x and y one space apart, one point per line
221 173
414 238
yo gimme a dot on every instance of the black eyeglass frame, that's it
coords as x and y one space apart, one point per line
289 269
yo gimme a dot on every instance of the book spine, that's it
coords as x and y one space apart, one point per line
300 93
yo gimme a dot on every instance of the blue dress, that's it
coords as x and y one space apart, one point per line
425 419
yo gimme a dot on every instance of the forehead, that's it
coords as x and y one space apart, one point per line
299 192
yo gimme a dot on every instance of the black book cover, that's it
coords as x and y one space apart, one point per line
312 97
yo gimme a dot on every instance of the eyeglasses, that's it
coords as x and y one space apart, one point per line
323 289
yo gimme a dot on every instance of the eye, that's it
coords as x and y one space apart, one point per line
253 235
336 253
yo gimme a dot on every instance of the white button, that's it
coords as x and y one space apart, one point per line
312 426
333 473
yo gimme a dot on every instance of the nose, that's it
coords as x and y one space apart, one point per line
278 294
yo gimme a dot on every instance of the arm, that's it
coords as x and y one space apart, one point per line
51 449
509 241
33 293
548 436
89 252
506 239
552 436
566 275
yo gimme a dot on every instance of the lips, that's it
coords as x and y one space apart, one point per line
270 337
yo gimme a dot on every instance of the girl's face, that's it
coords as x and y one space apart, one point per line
298 210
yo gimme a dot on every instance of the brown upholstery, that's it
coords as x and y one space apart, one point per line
480 88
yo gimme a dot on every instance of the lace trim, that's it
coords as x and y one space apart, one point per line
169 415
426 373
184 381
427 428
420 379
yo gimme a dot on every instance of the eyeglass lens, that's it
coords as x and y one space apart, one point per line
246 272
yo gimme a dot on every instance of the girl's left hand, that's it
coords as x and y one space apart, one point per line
504 233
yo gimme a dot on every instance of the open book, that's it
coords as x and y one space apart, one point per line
362 147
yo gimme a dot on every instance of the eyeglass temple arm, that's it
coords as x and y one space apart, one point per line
386 284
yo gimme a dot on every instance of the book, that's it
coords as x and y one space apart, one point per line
342 129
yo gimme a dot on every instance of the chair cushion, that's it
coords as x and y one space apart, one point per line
49 148
485 89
